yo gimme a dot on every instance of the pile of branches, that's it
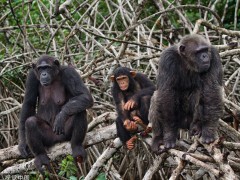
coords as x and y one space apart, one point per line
96 37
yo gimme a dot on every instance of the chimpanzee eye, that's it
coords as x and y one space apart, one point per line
121 78
39 69
44 68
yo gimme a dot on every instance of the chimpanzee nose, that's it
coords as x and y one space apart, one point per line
44 74
204 56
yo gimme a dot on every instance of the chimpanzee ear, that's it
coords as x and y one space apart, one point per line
112 77
56 62
181 48
133 73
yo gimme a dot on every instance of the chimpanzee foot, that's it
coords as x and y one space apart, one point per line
131 143
161 150
40 160
79 154
208 136
156 143
169 139
169 144
207 140
195 129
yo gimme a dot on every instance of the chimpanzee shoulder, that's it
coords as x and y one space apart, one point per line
72 79
143 80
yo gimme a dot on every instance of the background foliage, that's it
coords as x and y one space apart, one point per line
95 36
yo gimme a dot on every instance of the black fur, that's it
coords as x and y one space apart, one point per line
61 100
189 92
140 90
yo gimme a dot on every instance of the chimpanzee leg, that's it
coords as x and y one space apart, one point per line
157 138
157 129
122 133
39 135
144 108
79 130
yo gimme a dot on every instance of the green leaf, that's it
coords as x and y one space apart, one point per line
101 176
72 178
61 173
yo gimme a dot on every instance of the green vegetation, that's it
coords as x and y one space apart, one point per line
84 37
68 168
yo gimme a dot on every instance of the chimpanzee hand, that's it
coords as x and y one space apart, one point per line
130 104
130 125
58 126
24 149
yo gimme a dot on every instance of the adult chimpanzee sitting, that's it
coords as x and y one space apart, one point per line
61 99
131 93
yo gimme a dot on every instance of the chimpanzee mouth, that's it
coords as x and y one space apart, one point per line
205 67
124 88
45 83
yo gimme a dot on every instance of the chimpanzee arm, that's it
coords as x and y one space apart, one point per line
146 85
212 102
164 119
28 108
119 103
81 99
216 66
122 133
122 115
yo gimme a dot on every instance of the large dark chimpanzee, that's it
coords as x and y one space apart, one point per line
189 93
61 99
131 93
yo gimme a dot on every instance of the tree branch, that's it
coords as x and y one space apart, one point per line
92 138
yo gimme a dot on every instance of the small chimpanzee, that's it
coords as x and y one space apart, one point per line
61 99
189 92
131 93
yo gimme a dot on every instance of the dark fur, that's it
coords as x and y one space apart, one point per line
188 95
61 110
140 90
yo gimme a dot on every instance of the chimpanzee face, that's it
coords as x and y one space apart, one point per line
196 54
123 82
46 69
203 60
45 73
123 78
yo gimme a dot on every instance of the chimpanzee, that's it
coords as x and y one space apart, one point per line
131 93
189 93
61 99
